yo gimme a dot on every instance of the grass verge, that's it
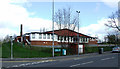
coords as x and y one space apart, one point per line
20 51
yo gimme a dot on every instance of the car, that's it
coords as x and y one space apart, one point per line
116 49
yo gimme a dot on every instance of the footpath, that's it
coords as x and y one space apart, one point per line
67 57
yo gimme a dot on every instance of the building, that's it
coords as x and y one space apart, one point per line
62 38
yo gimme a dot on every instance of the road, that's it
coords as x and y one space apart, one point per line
96 60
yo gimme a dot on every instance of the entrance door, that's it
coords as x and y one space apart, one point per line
80 48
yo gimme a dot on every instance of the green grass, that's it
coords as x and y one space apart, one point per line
20 51
96 49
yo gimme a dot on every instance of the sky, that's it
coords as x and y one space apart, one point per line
38 14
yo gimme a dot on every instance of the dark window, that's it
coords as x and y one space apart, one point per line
33 36
58 38
40 36
65 38
44 36
48 36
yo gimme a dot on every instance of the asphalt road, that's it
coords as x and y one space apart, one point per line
103 60
98 61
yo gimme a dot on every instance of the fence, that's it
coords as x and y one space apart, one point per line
92 45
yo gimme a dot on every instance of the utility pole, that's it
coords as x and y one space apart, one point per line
11 47
78 31
53 26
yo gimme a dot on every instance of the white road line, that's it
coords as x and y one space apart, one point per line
28 63
105 58
15 66
108 58
113 57
82 64
21 65
32 63
74 65
87 62
77 58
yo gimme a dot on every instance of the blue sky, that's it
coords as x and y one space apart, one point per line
37 15
91 12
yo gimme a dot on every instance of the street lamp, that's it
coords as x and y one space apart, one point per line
78 31
11 47
53 26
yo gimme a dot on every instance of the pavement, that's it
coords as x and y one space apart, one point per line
56 57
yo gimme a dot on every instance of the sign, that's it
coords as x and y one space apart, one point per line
64 52
57 50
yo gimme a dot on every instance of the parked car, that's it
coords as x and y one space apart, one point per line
116 49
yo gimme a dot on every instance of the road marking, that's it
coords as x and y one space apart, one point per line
74 65
105 59
108 58
87 62
15 66
77 58
82 64
113 57
32 63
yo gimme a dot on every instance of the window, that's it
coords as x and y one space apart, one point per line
44 36
40 36
51 36
83 39
65 38
58 38
48 36
61 38
86 39
33 36
71 39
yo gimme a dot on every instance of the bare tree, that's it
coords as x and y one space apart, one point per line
65 19
112 23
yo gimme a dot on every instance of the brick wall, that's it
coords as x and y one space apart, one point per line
47 43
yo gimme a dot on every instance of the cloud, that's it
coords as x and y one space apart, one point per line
12 15
111 3
94 30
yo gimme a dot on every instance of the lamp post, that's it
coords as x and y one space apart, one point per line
11 47
53 26
78 31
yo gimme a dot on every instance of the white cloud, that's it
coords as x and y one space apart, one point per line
12 15
111 3
94 30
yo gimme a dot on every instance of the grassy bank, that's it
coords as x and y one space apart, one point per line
20 51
